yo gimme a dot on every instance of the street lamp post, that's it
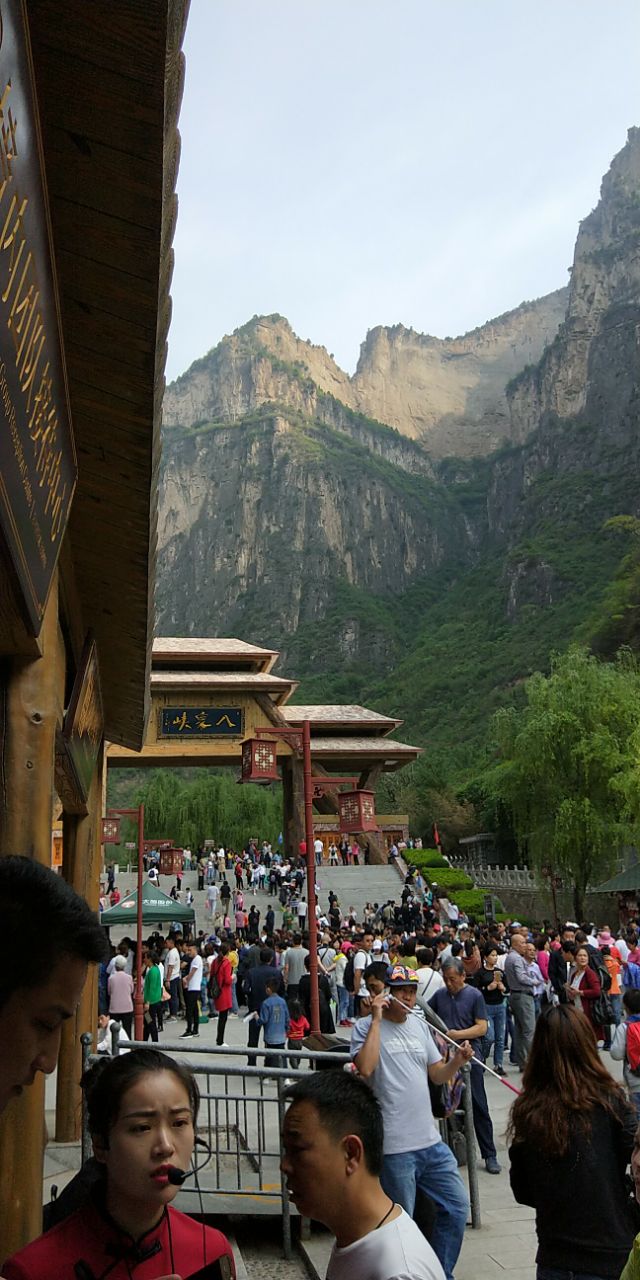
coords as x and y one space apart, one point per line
138 1000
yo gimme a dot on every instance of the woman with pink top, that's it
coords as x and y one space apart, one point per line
542 946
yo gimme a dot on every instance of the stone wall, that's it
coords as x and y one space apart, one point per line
536 905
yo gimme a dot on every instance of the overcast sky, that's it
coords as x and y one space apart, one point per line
350 163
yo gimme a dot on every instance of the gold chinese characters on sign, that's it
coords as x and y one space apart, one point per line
200 722
37 457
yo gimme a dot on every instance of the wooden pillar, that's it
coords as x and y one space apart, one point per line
81 868
293 803
34 698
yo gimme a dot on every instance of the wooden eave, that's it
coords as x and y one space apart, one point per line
354 753
109 83
223 682
210 652
347 719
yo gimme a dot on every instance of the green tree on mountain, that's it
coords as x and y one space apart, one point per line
568 766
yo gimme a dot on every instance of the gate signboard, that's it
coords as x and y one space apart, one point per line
37 456
201 722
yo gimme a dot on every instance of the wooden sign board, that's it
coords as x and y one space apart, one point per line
201 722
83 727
38 468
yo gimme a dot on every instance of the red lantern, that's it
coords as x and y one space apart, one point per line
357 811
259 761
110 831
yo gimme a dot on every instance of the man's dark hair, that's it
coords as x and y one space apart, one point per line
569 947
266 955
42 919
377 969
297 939
631 1000
345 1105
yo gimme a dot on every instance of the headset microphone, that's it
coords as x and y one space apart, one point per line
178 1176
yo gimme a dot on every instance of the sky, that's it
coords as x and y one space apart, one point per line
349 163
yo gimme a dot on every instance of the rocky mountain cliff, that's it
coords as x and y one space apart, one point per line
448 394
421 534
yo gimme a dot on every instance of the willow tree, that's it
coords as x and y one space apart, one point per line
565 763
205 805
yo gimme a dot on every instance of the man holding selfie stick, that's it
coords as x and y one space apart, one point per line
395 1053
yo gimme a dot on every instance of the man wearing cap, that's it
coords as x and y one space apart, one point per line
394 1051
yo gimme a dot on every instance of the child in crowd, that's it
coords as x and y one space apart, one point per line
274 1017
298 1029
625 1045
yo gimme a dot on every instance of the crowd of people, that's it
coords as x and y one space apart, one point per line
385 974
548 1004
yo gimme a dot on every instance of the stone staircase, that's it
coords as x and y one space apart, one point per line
357 885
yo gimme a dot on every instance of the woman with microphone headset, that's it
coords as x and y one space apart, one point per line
142 1108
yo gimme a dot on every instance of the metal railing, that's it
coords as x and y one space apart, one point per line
240 1120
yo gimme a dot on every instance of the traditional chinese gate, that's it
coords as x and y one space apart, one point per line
210 695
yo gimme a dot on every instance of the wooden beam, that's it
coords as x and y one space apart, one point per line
34 695
293 804
370 776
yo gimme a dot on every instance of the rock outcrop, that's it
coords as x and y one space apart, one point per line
450 394
423 532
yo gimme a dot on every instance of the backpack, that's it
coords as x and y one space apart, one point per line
445 1098
349 974
214 986
596 962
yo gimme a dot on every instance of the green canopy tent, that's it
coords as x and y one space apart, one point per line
156 907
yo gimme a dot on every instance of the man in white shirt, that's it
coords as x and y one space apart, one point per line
318 849
394 1051
172 978
362 960
213 894
332 1155
193 985
429 980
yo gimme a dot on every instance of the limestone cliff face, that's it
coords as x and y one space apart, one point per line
261 521
604 293
447 395
450 394
261 363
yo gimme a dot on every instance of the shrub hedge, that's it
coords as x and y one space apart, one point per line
452 880
425 858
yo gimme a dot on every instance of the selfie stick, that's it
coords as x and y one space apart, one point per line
455 1044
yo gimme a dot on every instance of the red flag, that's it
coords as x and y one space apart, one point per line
436 835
